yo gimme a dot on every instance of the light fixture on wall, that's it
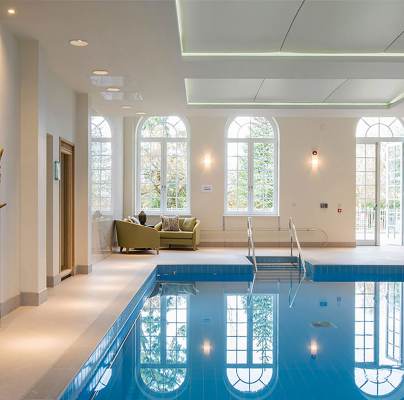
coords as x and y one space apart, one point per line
314 160
207 161
206 347
113 89
11 11
313 349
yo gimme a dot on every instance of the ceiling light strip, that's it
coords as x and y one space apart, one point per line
291 54
290 104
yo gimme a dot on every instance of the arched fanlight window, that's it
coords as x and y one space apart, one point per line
252 166
379 127
101 165
250 343
162 344
163 165
378 337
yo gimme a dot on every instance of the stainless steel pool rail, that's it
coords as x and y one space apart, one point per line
300 259
301 263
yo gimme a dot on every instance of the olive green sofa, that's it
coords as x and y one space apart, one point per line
134 236
183 237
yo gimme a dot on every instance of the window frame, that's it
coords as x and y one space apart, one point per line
110 139
163 171
250 142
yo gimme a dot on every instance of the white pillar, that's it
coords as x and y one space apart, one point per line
82 179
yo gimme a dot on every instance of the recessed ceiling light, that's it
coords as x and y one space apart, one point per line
113 89
78 43
126 107
140 113
100 72
11 11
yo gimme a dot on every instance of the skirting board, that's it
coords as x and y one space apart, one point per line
84 269
10 305
52 281
277 244
33 299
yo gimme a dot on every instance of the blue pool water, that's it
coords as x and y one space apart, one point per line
209 340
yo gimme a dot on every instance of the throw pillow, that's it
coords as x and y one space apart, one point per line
134 220
170 224
188 224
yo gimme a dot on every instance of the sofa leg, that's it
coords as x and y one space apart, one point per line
157 251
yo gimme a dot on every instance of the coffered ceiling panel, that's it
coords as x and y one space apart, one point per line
368 90
346 26
297 90
222 90
229 26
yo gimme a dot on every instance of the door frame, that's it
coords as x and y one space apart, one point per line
67 148
377 141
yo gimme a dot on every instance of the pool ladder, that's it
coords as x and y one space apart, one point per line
291 269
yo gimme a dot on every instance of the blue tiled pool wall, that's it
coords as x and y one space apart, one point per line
205 273
352 273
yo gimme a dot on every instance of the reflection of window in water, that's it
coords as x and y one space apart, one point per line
378 337
250 341
163 343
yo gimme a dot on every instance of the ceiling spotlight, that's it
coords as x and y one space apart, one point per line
113 89
126 107
11 11
100 72
140 113
78 43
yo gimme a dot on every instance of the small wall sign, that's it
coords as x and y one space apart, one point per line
206 188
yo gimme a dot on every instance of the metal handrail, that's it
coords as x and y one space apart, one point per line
251 253
302 262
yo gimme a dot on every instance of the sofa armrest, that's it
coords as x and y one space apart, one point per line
196 237
133 235
158 226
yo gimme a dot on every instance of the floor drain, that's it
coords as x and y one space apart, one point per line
322 324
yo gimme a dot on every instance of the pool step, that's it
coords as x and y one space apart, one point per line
277 272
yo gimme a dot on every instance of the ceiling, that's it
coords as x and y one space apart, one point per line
161 58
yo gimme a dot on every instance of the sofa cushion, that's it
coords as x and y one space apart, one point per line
175 235
170 224
187 224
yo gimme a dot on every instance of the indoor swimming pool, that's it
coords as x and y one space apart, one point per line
211 340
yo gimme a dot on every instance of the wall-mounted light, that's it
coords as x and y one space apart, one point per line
207 161
56 170
314 160
206 347
313 349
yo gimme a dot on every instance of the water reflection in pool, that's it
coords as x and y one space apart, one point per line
218 344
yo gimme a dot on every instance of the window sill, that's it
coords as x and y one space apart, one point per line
246 214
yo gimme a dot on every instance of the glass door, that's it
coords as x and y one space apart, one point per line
366 193
379 167
391 193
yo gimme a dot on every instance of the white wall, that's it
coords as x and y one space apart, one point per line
300 189
10 169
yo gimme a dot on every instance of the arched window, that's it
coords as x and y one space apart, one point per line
250 342
101 166
163 166
375 127
378 337
252 166
162 345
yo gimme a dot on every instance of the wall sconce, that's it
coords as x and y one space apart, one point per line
56 170
313 349
206 347
314 160
207 161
